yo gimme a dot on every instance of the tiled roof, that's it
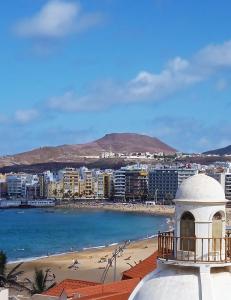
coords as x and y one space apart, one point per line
119 290
108 290
91 290
141 269
110 296
68 285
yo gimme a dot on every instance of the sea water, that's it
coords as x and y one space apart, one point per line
32 233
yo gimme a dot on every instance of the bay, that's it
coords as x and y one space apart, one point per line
32 233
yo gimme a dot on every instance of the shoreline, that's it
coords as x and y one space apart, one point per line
100 247
157 210
91 263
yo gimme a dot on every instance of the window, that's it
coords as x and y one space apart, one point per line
187 232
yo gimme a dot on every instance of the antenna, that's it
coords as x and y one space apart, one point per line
112 259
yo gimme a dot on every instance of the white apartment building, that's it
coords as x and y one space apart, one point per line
99 185
225 181
119 184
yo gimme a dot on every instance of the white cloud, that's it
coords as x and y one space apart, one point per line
56 19
215 56
178 74
26 116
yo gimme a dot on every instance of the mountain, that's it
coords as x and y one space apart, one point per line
116 142
220 151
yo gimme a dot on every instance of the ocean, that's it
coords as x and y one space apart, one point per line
32 233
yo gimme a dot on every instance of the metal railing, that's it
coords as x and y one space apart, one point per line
194 249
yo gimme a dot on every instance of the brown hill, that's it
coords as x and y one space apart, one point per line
116 142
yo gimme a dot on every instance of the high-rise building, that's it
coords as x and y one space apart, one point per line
163 182
119 185
103 185
71 182
88 182
16 185
136 185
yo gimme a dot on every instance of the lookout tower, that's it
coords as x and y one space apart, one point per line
194 260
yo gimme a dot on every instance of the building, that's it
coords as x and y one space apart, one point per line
44 179
16 185
3 186
88 183
163 182
119 185
70 180
55 190
108 185
225 180
193 260
32 191
99 185
136 182
103 185
81 187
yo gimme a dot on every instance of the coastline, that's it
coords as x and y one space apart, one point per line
91 262
158 210
92 248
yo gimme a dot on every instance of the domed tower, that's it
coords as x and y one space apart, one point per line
193 260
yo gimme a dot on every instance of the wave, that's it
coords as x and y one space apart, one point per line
95 247
113 244
33 258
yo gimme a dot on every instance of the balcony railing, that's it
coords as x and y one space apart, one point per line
193 249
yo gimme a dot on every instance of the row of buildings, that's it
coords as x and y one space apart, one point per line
139 182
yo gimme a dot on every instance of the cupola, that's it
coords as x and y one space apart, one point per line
194 260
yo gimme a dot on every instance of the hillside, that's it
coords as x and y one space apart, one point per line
116 142
220 151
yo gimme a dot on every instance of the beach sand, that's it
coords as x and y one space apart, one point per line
90 268
161 210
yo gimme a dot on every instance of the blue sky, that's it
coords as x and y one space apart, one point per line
72 71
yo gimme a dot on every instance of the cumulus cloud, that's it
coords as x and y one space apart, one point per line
25 116
215 56
178 74
57 19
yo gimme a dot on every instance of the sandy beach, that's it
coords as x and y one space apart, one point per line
91 263
161 210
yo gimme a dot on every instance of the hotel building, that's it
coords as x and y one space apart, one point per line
163 182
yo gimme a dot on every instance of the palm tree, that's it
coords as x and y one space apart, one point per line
10 279
41 280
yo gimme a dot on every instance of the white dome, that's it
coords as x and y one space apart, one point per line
174 283
200 188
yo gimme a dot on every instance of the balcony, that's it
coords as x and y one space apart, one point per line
193 249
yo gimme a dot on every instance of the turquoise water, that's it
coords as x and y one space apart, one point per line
34 233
